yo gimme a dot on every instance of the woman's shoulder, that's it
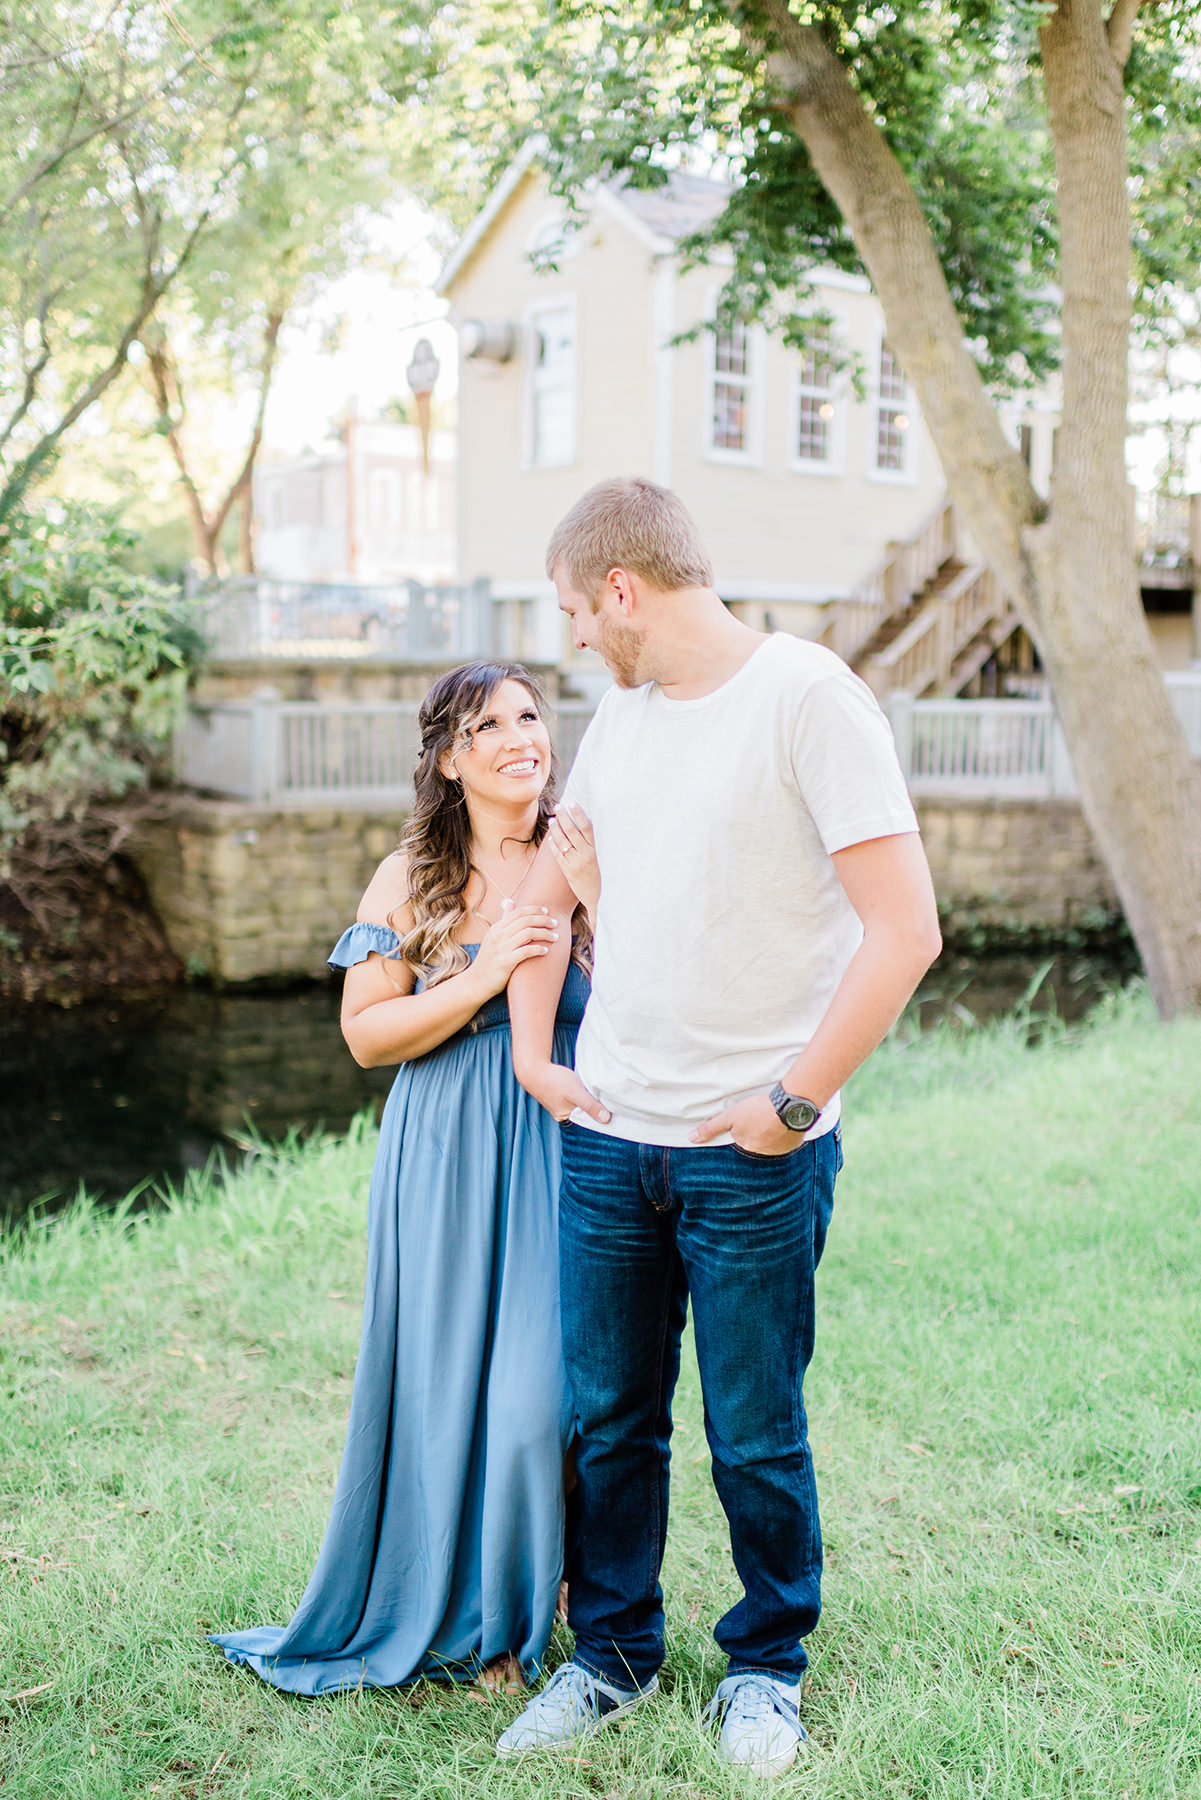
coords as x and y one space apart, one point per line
386 900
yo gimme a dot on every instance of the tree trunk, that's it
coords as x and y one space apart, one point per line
246 528
1070 570
1139 786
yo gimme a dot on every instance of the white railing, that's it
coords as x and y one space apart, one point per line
288 753
1184 691
1004 747
1168 533
255 618
986 747
309 753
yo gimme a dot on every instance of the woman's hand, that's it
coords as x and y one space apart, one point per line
570 833
526 931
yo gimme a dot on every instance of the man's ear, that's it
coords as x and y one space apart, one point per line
622 588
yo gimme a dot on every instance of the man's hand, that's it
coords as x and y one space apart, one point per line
561 1091
569 834
754 1125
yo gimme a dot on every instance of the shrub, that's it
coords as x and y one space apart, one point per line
93 669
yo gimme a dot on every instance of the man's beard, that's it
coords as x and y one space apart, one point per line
621 647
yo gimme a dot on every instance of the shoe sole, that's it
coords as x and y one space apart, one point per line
768 1766
550 1745
775 1765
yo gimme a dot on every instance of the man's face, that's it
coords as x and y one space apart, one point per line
615 639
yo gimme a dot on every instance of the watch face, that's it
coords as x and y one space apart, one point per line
799 1115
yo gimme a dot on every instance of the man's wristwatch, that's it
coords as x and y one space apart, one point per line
792 1111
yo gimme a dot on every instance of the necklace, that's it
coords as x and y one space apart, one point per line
507 901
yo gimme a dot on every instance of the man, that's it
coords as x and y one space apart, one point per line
765 913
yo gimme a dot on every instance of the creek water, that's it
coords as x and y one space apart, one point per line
112 1095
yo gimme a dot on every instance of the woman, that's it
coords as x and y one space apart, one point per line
444 1550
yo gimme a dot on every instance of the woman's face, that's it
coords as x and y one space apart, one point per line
503 753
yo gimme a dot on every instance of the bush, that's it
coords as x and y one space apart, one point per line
93 669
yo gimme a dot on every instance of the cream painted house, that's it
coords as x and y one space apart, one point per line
569 373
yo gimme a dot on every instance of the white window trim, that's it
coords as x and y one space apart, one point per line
910 474
752 456
547 303
836 462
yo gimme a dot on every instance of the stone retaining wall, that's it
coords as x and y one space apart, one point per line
245 894
1016 867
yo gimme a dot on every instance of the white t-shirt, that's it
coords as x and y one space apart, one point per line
723 929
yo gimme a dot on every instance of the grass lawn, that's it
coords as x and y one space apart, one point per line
1005 1411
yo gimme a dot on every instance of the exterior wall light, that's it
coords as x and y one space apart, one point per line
494 341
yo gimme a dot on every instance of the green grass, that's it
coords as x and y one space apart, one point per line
1005 1410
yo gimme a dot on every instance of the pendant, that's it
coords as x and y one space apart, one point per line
507 905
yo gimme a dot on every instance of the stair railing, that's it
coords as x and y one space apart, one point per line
923 655
892 585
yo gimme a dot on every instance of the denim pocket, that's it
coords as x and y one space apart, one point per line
759 1156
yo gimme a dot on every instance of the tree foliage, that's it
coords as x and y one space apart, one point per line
636 89
93 667
214 150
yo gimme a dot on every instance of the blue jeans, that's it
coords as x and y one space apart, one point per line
641 1229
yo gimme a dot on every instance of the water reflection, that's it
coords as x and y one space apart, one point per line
112 1095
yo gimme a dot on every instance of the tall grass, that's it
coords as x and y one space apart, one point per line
1004 1408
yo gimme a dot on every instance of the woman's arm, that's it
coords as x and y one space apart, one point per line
383 1020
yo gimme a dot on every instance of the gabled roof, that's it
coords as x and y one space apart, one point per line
508 184
660 215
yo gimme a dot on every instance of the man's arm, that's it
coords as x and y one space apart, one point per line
534 989
887 881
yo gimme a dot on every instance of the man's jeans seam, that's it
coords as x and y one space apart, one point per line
654 1562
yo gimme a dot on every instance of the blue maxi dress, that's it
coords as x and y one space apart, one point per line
445 1545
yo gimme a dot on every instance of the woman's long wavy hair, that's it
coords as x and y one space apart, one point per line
437 838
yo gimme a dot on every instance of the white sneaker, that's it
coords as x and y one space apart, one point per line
573 1704
760 1730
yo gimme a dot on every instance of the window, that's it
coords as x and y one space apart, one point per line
731 393
551 402
730 411
816 403
383 499
893 416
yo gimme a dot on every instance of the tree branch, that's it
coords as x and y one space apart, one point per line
267 369
160 369
98 128
1119 29
33 373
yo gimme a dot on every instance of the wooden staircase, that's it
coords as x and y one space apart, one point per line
927 619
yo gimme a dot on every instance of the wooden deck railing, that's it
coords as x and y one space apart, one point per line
255 618
924 654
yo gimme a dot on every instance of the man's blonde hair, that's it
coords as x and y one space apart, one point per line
629 523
